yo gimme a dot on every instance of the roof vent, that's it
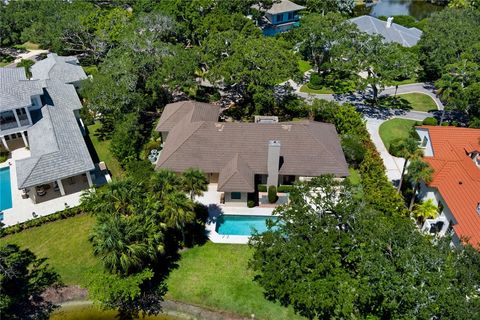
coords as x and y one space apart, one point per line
478 208
460 182
389 22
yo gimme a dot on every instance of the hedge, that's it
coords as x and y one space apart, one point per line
262 188
64 214
430 121
272 194
281 188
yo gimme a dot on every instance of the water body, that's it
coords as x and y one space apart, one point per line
418 9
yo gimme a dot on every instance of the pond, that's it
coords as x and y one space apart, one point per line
418 9
89 312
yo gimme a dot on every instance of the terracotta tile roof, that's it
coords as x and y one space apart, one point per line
456 176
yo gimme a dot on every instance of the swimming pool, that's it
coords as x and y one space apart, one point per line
5 189
241 225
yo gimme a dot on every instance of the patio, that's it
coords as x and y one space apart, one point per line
24 209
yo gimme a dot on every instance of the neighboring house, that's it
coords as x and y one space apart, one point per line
390 31
237 157
282 16
454 154
43 115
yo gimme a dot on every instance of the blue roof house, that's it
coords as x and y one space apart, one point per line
282 16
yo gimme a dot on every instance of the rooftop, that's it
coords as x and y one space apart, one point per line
456 176
16 90
280 7
407 37
239 150
65 69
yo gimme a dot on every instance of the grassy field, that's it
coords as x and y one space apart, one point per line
324 90
216 276
419 101
406 81
28 46
103 151
65 244
395 128
304 65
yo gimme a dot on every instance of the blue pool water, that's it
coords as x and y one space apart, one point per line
241 225
5 189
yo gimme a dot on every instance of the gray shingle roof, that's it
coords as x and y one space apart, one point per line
407 37
16 90
65 69
281 7
307 148
196 111
236 176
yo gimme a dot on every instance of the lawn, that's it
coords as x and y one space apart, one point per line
304 66
396 128
27 46
216 276
65 244
324 90
419 101
103 151
406 81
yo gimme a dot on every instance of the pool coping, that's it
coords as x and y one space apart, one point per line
215 210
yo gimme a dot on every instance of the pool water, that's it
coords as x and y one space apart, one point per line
242 225
5 189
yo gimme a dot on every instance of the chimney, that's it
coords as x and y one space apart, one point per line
273 162
389 22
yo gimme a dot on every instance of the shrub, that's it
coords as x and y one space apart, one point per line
262 188
67 213
250 203
272 194
316 82
285 188
3 156
430 121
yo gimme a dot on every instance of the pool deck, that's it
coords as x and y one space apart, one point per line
22 209
215 210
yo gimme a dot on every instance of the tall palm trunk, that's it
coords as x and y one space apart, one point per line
402 175
412 201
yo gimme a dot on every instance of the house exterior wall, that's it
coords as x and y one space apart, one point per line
242 202
283 17
425 142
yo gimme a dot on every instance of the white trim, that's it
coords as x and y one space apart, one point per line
60 186
24 138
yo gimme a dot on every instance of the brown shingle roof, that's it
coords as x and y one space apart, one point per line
307 148
236 176
195 111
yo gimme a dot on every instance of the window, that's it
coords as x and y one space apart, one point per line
424 142
290 16
236 195
280 17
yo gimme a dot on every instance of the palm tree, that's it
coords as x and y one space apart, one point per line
116 197
177 211
194 182
164 182
407 149
122 244
418 171
425 210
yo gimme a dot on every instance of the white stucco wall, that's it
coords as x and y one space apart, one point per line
242 202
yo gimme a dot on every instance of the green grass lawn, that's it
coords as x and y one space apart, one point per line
65 244
216 276
103 151
324 90
396 128
304 66
419 101
27 46
406 81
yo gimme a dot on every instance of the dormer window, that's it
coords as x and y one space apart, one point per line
478 208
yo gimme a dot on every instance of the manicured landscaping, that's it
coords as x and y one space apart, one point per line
304 66
419 101
216 276
102 147
65 244
354 177
406 81
396 128
324 90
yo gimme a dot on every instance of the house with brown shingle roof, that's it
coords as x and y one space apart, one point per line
237 157
454 155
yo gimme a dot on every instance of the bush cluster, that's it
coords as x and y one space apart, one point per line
272 194
430 121
67 213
